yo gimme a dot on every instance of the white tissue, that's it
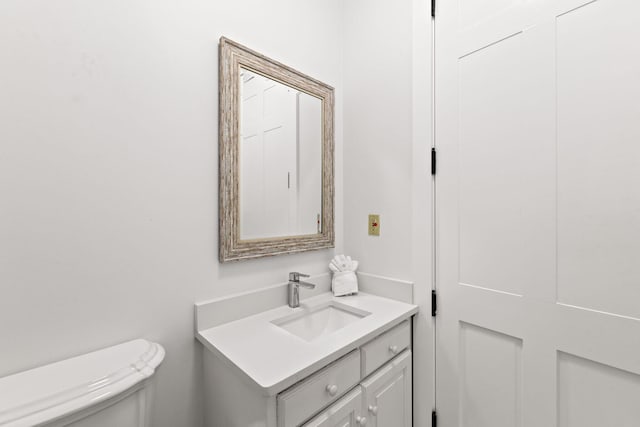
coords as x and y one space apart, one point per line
345 281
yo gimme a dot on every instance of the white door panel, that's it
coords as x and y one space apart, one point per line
346 412
488 399
598 155
538 213
591 393
497 197
388 394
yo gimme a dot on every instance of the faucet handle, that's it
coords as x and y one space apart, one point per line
294 276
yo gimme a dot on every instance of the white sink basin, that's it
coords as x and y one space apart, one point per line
321 320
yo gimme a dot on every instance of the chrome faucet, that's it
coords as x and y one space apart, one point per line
294 288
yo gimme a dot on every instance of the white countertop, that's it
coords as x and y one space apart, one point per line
274 359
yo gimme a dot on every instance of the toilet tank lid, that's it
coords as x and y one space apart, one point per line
52 391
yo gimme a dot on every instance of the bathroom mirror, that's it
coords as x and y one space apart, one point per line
276 157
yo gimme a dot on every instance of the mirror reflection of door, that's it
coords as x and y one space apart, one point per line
280 159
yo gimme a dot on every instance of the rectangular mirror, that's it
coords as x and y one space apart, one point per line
276 157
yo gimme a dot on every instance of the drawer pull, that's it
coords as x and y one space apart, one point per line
373 409
361 421
332 389
393 349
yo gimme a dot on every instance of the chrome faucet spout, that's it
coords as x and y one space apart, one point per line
294 288
306 284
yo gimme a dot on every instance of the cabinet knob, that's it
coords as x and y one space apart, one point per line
332 389
393 349
361 421
373 409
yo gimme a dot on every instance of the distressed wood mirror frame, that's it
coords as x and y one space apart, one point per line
231 248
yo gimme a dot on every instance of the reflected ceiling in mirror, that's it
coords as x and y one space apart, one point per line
276 157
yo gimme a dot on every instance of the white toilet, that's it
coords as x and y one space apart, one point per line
107 388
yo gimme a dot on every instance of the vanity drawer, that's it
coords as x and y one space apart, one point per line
385 347
306 398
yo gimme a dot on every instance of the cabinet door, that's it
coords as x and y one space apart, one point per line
387 394
346 412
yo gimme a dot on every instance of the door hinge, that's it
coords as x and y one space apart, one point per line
434 419
433 8
433 161
434 303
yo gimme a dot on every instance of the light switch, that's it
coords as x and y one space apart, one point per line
374 225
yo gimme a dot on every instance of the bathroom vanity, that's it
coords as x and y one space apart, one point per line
333 361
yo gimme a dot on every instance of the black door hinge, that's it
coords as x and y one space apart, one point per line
434 303
434 419
433 8
433 161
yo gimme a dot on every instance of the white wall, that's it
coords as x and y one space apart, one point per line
387 133
108 173
378 134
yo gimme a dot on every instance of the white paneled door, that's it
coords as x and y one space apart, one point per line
538 213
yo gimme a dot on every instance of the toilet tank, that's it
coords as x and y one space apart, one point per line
107 388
